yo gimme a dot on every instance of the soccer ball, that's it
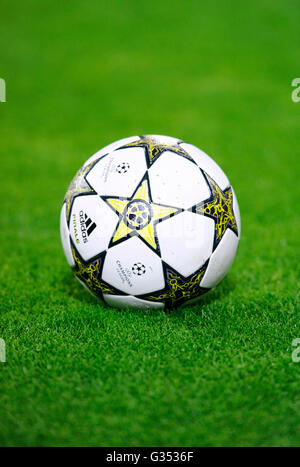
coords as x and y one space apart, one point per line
150 222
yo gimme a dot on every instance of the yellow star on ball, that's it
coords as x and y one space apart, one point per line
139 215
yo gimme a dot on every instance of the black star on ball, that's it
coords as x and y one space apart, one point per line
178 288
219 207
154 148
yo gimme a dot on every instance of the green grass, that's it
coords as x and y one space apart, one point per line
218 75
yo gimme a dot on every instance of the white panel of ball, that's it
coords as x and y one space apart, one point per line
176 181
207 164
186 241
121 268
92 223
123 301
110 148
118 173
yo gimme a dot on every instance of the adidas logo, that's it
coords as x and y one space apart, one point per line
87 226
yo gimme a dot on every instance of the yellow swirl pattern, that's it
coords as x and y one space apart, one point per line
179 289
88 274
220 208
78 185
155 148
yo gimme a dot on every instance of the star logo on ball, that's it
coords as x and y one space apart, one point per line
77 187
138 269
178 288
139 215
220 208
155 148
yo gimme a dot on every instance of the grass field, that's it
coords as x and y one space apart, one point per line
79 76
